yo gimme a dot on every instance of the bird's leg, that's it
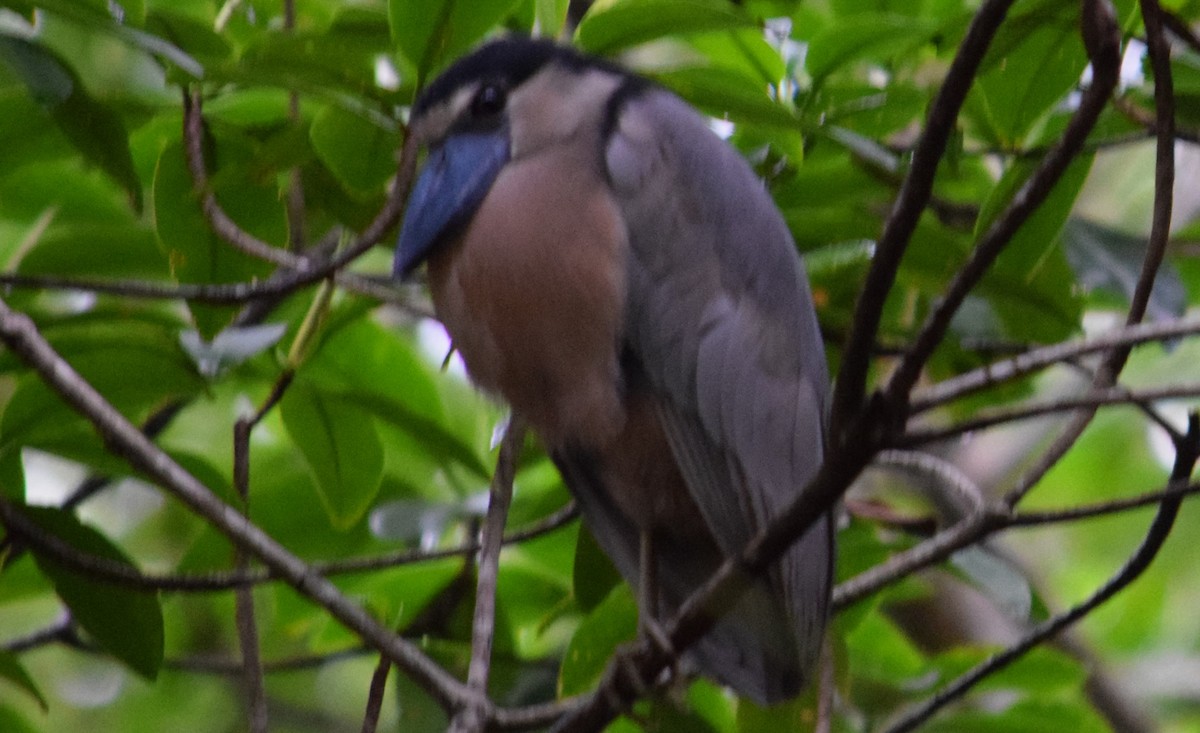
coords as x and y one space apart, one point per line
648 625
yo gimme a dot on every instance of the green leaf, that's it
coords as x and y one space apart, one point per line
93 128
36 415
880 652
11 722
610 624
865 36
1107 259
1042 671
432 32
195 253
727 93
551 14
12 670
96 249
594 575
1034 62
341 447
370 366
1031 286
361 154
611 26
126 623
1026 716
12 473
794 714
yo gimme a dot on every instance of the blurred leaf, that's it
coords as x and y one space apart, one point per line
1042 671
1034 62
12 473
1104 258
197 41
727 93
359 153
195 253
997 578
865 35
127 623
12 670
712 703
433 32
551 14
594 575
1030 286
798 713
231 346
341 448
96 249
611 623
611 26
1026 716
11 722
880 652
36 415
414 521
93 128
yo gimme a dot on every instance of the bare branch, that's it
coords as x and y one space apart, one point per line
471 717
914 194
1023 364
1100 508
1092 399
375 695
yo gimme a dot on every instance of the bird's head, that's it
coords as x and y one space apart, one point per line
508 99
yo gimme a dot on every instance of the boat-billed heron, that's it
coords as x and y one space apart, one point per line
616 272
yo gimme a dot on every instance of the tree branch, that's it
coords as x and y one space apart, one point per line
914 194
471 718
1021 365
126 441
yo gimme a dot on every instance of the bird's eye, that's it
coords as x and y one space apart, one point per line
488 100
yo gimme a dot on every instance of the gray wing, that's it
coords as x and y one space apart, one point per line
721 320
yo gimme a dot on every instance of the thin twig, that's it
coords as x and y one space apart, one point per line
1006 370
470 719
247 627
375 695
1092 399
110 571
301 271
914 194
1100 508
220 222
214 293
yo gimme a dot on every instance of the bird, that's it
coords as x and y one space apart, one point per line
616 272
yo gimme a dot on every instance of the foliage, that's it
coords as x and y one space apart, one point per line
321 410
